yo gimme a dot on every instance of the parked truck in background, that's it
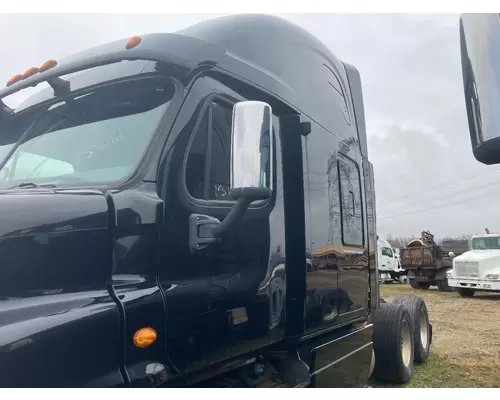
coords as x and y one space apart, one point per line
479 268
427 263
389 266
165 202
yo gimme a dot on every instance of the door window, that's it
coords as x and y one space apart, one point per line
207 172
350 189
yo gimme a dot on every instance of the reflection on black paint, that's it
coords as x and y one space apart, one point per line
323 216
337 283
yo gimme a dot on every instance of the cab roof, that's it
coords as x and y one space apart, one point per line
485 235
268 52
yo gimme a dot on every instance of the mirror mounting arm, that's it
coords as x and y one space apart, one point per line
206 231
244 197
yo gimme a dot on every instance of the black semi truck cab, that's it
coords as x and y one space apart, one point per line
158 197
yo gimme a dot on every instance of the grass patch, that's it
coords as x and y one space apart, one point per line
441 373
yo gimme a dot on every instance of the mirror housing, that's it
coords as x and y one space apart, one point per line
480 53
252 151
451 254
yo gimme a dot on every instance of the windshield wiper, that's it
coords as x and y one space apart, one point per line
32 185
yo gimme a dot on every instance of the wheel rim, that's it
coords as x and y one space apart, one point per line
424 328
331 313
406 343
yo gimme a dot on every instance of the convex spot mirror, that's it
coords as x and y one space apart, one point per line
252 149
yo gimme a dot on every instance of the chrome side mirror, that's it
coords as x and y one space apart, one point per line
252 150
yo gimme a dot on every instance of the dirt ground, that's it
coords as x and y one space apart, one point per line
465 351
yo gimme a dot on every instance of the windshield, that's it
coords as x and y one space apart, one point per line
94 138
486 243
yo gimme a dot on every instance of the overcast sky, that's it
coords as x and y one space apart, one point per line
425 174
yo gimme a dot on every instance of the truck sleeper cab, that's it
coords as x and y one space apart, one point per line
174 183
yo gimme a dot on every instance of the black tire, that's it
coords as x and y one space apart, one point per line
466 292
443 285
422 332
391 321
419 285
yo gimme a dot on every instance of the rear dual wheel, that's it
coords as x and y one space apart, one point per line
393 343
402 335
422 332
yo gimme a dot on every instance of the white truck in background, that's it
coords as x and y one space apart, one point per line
479 268
389 264
397 255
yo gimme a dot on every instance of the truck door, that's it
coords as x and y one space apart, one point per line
229 299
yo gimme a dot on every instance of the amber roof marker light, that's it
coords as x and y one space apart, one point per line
47 65
14 79
30 72
132 42
145 337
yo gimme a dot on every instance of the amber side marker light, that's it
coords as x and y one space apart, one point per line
14 79
47 65
132 42
144 337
